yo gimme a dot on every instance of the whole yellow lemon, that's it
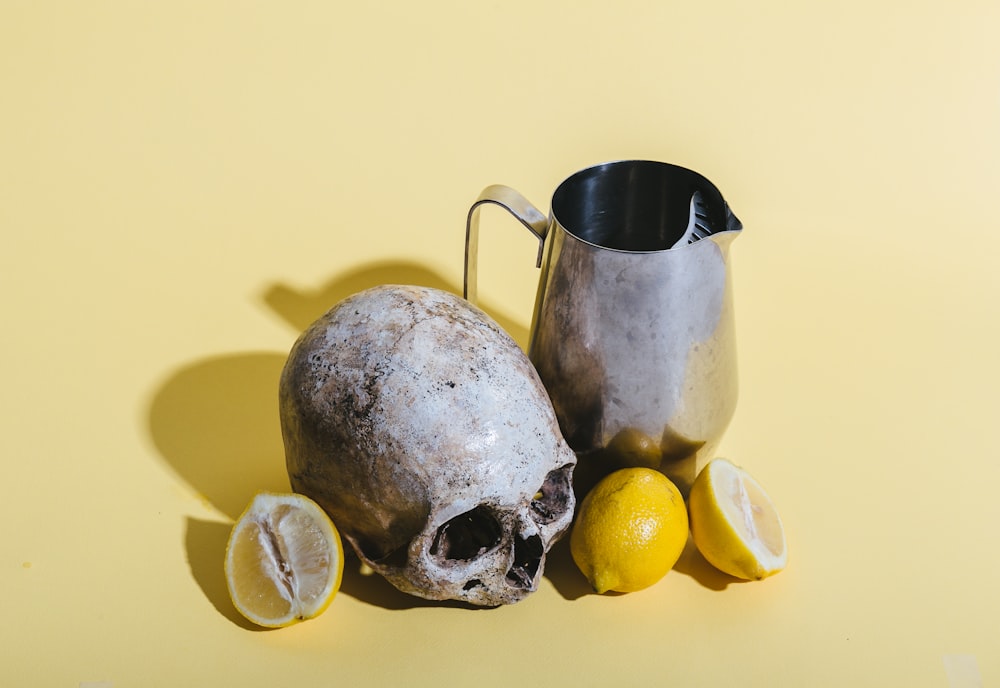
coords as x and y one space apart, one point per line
630 530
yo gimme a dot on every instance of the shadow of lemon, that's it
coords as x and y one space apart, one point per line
693 564
205 542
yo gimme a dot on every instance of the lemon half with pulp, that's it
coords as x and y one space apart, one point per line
734 524
284 560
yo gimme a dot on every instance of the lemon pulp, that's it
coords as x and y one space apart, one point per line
734 523
284 560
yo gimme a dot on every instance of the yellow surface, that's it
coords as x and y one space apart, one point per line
185 185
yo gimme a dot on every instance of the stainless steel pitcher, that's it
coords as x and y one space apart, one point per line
632 333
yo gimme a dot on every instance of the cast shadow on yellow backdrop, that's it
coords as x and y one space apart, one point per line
215 422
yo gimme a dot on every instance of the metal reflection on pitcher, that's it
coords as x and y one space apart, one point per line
632 333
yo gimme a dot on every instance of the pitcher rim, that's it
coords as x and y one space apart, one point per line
702 179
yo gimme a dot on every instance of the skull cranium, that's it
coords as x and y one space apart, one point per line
425 433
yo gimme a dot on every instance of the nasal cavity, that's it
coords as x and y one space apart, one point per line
528 553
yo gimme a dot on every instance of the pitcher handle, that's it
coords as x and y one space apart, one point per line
518 206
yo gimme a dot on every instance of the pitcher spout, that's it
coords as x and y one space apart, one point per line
708 220
732 229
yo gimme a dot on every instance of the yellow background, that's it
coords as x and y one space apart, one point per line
185 185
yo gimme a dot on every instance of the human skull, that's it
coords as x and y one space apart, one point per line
418 424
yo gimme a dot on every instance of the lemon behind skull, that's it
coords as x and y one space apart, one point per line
630 530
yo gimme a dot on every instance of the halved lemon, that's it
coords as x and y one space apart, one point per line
734 524
284 560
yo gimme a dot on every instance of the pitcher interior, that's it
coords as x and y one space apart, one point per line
634 205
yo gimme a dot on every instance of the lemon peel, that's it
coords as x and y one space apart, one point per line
630 530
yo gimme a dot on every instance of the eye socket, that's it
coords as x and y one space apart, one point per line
467 536
553 497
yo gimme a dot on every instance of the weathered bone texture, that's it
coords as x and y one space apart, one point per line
425 433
